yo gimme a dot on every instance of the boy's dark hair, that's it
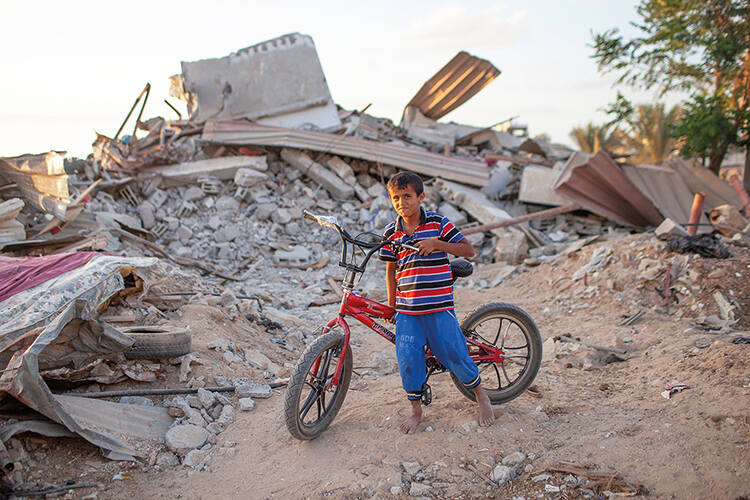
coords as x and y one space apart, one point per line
403 179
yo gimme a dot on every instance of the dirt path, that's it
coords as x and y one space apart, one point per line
611 418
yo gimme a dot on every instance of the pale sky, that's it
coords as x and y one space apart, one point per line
70 68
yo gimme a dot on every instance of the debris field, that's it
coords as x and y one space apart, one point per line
155 296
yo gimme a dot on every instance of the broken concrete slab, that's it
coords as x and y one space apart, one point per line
247 177
11 208
668 229
241 133
457 217
342 169
221 168
474 202
277 82
41 179
317 172
536 186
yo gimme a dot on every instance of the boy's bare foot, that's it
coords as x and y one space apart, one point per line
409 426
486 415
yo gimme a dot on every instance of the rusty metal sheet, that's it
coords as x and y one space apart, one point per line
599 185
423 162
455 83
700 179
666 190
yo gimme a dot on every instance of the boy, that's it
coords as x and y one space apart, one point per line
420 290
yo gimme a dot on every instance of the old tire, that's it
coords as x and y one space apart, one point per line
520 341
153 342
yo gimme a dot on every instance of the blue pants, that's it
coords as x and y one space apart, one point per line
440 332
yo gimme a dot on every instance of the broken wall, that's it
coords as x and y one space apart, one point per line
277 82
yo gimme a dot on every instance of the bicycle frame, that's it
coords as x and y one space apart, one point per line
362 309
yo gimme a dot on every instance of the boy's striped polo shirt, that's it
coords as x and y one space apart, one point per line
423 282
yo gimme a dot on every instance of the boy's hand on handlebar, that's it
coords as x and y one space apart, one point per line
426 247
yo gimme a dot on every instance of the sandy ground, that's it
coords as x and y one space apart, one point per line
610 418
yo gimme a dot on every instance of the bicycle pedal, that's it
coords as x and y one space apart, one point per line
426 395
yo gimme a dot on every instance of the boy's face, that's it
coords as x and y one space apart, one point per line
405 201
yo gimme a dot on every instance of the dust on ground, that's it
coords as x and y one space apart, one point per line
585 415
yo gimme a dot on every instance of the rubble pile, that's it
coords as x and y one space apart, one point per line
240 278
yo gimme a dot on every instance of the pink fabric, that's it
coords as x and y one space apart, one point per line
21 273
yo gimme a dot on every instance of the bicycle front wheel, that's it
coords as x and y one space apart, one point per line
311 403
510 329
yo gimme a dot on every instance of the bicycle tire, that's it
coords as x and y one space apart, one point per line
294 402
525 327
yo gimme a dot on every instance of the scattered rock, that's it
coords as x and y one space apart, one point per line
411 468
251 390
196 458
246 404
183 438
419 489
514 458
167 459
502 474
206 398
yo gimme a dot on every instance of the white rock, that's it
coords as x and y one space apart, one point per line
411 468
206 398
196 458
246 177
502 474
246 404
251 390
183 438
514 458
419 489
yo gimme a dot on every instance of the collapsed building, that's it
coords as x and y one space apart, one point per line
221 193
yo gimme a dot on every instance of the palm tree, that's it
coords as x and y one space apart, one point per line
591 138
650 133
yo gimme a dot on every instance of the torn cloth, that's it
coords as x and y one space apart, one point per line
19 274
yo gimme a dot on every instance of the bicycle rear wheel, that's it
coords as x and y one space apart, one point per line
510 329
310 404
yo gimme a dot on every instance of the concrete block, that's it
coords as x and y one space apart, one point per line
536 186
317 172
668 229
342 169
223 168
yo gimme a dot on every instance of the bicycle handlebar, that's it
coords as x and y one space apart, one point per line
330 221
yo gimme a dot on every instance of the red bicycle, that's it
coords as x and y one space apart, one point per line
502 340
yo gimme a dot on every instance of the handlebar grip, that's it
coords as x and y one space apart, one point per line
309 216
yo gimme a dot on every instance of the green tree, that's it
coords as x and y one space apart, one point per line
649 132
698 46
591 138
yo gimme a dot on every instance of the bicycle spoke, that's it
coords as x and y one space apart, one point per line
499 329
516 348
311 398
505 335
319 406
506 374
499 378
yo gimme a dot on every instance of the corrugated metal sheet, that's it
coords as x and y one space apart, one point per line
700 179
423 162
598 184
455 83
666 190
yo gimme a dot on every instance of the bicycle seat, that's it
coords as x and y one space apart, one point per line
461 268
